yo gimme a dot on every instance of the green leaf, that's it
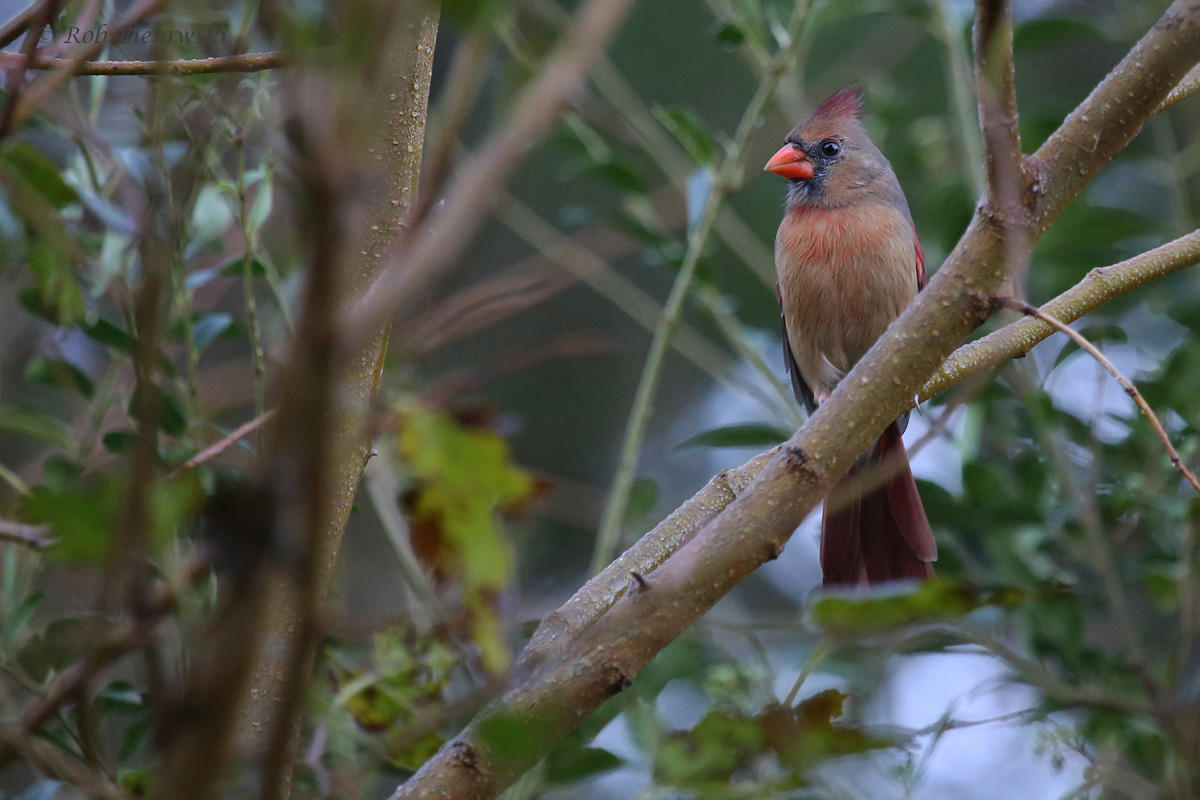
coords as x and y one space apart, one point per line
728 34
933 600
686 127
20 616
260 209
806 736
621 177
471 13
708 755
209 327
743 434
111 336
136 737
32 423
121 695
156 406
58 373
61 641
233 268
513 737
118 442
59 297
80 517
574 763
39 172
212 215
643 496
464 480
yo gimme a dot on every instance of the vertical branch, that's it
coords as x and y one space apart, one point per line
1005 196
322 443
995 77
249 242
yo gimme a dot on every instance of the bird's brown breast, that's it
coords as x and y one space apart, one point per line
844 274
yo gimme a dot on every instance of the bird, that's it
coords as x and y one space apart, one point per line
848 262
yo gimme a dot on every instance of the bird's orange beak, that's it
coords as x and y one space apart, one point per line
791 162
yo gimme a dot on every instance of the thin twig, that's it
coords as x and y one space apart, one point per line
59 764
818 654
941 726
1126 384
36 536
249 62
225 442
18 25
443 390
1098 287
1186 88
43 15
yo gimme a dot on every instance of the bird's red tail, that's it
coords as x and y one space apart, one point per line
877 531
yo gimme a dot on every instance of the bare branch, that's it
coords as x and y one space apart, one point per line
249 62
1126 384
1186 88
995 80
18 24
57 763
225 442
36 536
325 404
1099 287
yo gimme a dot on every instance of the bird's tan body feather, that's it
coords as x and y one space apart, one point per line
843 278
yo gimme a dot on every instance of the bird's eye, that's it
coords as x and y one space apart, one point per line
830 148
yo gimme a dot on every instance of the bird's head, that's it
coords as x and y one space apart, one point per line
828 159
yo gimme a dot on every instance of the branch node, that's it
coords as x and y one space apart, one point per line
465 755
616 679
796 458
774 550
640 584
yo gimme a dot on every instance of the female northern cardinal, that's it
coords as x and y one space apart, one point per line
848 262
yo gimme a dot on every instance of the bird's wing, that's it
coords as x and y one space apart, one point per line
804 395
922 278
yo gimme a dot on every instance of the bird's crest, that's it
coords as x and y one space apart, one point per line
846 103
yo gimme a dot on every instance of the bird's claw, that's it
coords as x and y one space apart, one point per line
917 404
